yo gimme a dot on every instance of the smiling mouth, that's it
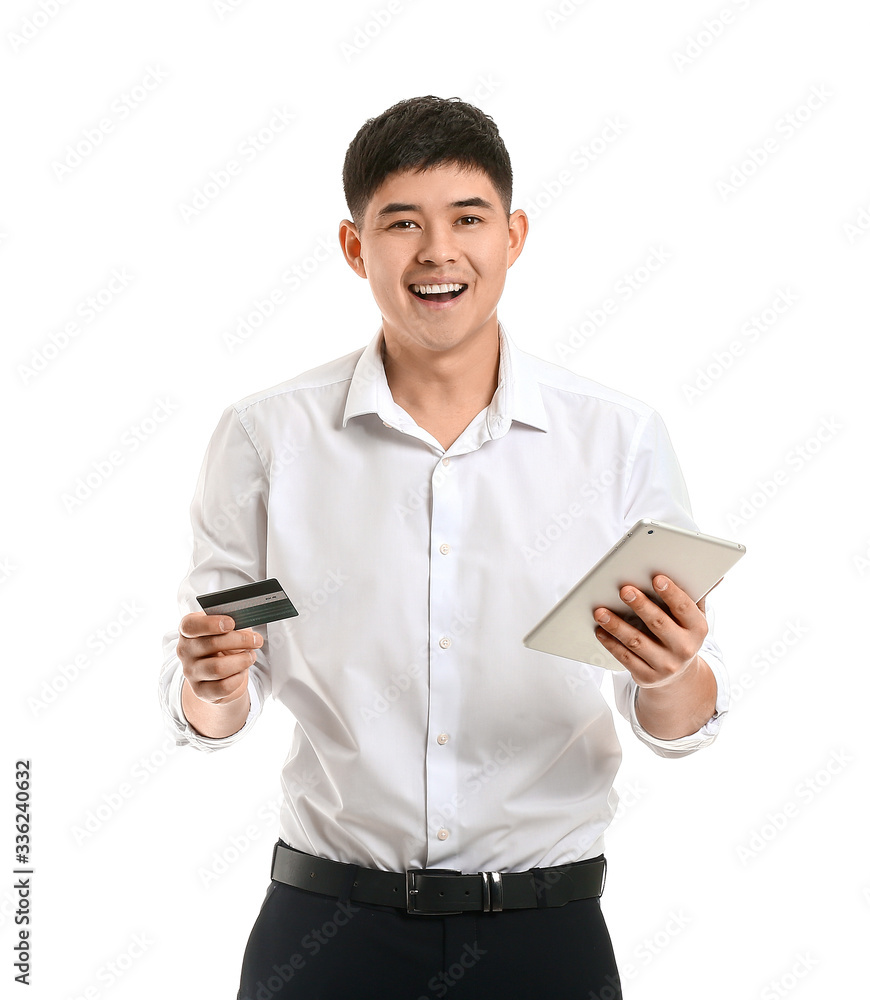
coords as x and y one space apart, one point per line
438 293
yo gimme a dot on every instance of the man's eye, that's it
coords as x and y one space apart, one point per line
469 219
403 224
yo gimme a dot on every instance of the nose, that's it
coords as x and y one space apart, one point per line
438 245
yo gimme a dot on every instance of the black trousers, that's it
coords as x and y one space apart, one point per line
305 945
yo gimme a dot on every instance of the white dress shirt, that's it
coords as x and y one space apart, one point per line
424 734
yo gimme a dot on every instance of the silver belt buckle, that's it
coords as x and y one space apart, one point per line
493 892
412 891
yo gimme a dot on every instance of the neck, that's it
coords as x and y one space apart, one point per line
458 379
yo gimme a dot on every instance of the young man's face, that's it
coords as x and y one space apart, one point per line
444 225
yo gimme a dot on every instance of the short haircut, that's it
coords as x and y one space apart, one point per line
423 132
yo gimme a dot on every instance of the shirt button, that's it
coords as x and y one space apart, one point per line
444 643
443 738
444 549
445 461
443 834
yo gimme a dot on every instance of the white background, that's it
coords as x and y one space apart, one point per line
738 872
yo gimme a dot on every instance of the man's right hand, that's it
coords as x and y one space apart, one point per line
215 658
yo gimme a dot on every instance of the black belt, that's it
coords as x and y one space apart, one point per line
439 891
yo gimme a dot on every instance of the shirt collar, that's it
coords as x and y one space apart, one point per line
517 396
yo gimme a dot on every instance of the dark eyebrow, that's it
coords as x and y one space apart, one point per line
473 203
398 206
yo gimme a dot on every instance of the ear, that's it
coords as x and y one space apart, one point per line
518 228
351 246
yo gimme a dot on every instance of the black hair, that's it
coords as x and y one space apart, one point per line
423 132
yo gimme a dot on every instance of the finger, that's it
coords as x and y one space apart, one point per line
208 646
685 611
638 667
629 637
219 667
656 618
654 656
199 623
220 690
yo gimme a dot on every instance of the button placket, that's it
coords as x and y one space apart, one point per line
442 786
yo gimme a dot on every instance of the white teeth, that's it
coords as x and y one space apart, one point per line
432 289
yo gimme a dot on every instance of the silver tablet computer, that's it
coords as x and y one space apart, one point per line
695 562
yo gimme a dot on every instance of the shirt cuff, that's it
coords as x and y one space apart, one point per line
186 735
685 745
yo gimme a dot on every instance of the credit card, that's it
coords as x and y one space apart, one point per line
252 604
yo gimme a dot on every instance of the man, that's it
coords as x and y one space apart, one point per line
396 494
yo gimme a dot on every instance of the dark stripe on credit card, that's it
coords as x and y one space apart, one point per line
251 604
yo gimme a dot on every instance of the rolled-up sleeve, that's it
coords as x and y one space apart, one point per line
656 489
171 679
626 689
228 520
